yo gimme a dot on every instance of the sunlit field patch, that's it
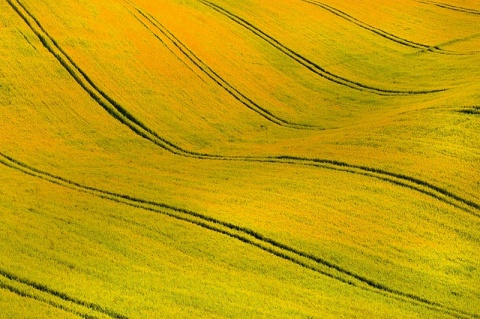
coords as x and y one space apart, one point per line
225 159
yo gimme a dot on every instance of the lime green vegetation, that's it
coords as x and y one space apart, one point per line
253 159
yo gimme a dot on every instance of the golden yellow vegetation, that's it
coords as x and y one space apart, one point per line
219 159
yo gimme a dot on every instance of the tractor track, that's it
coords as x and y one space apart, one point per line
24 294
54 293
312 66
243 234
471 111
214 76
123 116
385 34
451 7
114 109
166 46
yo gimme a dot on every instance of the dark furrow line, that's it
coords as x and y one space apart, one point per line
109 105
451 7
462 39
122 115
204 223
385 34
401 184
214 76
312 66
224 84
251 102
137 203
26 39
368 27
395 175
437 49
396 179
205 69
470 111
40 299
164 44
309 65
58 294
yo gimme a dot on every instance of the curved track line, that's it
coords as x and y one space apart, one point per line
451 7
24 294
123 116
26 39
61 295
385 34
243 234
368 27
166 46
475 110
312 66
214 76
463 39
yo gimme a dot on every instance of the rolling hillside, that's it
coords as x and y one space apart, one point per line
239 159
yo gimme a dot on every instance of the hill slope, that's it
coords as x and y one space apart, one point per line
208 159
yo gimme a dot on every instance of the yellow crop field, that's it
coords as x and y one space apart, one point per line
239 159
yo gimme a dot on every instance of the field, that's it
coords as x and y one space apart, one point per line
239 159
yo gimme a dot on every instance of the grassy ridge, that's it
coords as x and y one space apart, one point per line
206 222
255 235
212 74
398 62
380 207
139 128
384 34
76 270
312 66
424 23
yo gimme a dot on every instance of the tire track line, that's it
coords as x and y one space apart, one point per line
463 39
99 96
385 34
24 294
26 39
124 117
210 73
164 44
368 27
58 294
471 111
243 234
54 293
451 7
312 66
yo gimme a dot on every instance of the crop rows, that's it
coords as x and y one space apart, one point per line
310 65
382 33
122 115
245 235
213 75
65 301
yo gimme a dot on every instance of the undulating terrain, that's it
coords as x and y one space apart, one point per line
239 159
